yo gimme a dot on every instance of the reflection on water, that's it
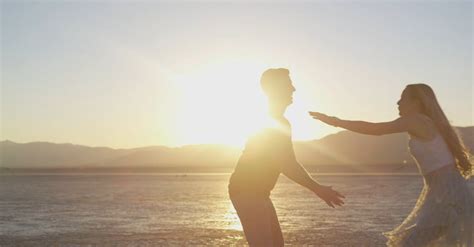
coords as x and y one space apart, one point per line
193 209
232 218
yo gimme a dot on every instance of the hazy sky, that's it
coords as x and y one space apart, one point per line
124 74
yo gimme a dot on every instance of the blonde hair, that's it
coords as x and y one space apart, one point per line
432 109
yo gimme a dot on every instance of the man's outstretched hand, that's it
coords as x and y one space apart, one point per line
330 196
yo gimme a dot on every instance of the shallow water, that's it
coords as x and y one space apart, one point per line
161 209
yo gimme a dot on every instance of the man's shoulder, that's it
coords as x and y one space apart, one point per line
270 136
278 124
275 131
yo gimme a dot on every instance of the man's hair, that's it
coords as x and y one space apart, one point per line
271 77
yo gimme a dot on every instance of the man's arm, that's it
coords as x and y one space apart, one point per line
296 172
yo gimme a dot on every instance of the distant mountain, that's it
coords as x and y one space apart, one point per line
51 155
341 149
351 148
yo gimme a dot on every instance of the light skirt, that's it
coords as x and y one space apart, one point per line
442 216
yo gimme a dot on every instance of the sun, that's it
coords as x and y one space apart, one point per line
220 103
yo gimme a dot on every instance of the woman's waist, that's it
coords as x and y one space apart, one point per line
429 167
448 169
430 162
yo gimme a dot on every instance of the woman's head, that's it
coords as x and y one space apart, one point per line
420 98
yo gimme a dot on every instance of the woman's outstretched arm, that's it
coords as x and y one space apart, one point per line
396 126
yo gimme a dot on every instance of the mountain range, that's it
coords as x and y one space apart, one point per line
343 151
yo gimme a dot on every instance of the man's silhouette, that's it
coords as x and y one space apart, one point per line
266 155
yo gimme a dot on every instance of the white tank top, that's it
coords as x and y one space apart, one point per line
430 155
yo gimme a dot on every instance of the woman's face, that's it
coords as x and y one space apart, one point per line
407 105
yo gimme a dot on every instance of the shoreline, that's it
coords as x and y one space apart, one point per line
190 174
385 169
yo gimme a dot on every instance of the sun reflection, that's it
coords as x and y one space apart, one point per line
232 219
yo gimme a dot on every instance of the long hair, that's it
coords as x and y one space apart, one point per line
432 109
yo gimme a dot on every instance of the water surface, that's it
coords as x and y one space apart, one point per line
176 209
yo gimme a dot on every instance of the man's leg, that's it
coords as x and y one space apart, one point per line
259 220
275 225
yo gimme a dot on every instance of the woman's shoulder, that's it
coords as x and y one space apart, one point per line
418 119
423 117
423 127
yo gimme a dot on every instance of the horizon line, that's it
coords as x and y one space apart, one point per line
179 146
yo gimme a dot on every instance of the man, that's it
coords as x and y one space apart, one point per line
266 155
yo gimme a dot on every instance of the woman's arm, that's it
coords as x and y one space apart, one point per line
396 126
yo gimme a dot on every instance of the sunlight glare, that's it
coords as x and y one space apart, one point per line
220 103
232 219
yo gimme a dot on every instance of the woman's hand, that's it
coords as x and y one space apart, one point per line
325 118
330 196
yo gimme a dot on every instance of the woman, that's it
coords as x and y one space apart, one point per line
444 212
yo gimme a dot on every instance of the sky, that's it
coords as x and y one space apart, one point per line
128 74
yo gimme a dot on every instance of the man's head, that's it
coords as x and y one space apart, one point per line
277 85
